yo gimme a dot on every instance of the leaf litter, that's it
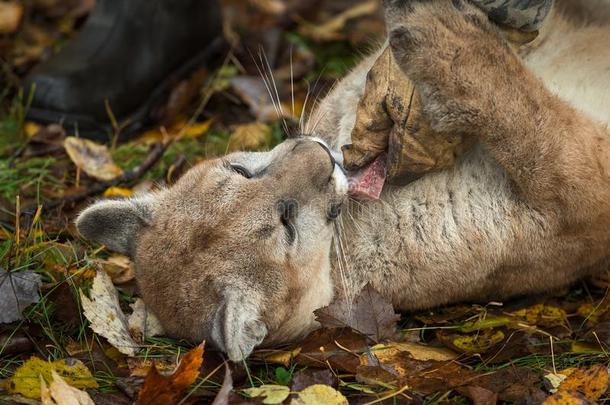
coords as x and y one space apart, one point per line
73 308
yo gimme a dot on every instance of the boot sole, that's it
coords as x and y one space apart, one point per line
87 127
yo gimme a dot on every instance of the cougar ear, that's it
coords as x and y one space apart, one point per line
115 223
237 328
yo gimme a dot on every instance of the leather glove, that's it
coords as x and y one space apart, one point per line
389 115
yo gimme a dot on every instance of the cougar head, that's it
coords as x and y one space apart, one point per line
237 251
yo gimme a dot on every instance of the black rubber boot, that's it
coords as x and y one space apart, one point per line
127 55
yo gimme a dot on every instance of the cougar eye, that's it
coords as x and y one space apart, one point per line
242 171
333 212
288 212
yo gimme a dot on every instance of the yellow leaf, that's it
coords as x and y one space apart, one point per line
180 127
479 342
543 315
283 357
25 380
31 128
319 394
118 192
60 393
197 129
592 312
92 158
487 322
273 394
386 352
584 347
250 137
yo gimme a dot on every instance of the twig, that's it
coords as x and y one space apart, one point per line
154 155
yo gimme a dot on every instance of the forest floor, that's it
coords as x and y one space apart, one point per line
552 348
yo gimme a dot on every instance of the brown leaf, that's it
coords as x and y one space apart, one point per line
370 314
338 347
478 395
168 390
306 378
92 158
10 16
222 398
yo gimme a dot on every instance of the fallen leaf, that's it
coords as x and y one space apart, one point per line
319 394
567 398
331 30
118 192
118 267
283 357
44 141
591 382
105 315
272 394
11 13
142 323
478 395
307 378
222 398
416 350
476 343
30 128
17 291
275 7
339 348
482 323
376 375
369 314
255 136
543 315
552 381
60 393
140 366
92 158
180 128
25 380
15 342
169 390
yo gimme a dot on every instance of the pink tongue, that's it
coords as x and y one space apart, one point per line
367 183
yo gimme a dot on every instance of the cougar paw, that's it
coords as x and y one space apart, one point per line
453 55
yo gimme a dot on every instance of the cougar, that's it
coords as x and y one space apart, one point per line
243 248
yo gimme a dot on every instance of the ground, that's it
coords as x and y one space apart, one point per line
512 352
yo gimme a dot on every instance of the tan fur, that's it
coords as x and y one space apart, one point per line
526 211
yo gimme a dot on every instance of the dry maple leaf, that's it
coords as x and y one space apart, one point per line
168 390
369 313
